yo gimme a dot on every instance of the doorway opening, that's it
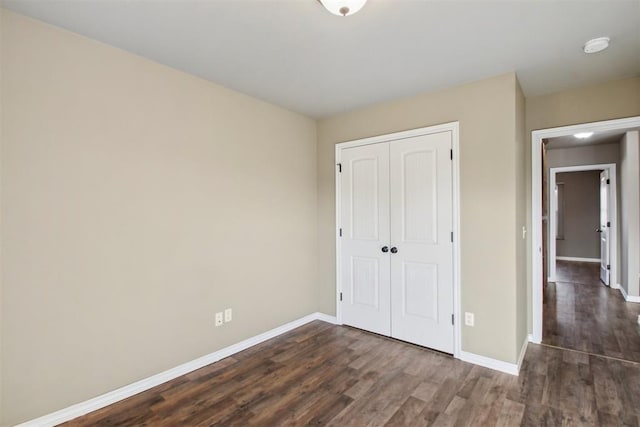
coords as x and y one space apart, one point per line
582 218
540 219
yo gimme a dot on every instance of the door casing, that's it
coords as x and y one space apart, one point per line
613 212
453 127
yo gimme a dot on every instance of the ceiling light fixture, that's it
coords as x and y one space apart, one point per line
596 45
583 135
343 7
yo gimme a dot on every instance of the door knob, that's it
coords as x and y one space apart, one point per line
394 250
385 249
598 230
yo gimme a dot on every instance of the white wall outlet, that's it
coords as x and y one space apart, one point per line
469 319
228 315
219 320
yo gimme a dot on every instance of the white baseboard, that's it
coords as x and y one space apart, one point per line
523 351
615 286
326 318
628 298
530 338
111 397
487 362
577 259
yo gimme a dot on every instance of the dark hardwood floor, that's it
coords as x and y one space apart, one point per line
321 374
583 314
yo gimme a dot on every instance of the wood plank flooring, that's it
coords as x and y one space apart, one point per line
322 374
583 314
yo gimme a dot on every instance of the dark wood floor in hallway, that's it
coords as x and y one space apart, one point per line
322 374
583 314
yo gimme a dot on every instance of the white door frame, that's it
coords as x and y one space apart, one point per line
537 137
453 127
613 209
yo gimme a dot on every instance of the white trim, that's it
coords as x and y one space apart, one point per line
615 286
523 351
498 365
613 216
576 259
326 318
487 362
530 337
338 154
454 128
457 270
445 127
627 297
536 208
114 396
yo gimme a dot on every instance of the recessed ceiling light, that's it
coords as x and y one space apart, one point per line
583 135
596 45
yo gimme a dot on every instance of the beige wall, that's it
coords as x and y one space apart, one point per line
580 156
486 111
137 201
605 101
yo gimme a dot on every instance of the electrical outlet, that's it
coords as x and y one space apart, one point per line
219 320
227 315
469 319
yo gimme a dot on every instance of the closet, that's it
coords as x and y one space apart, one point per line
395 240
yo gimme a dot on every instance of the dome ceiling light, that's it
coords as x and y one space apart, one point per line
596 45
343 7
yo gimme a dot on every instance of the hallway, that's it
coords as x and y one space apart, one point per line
581 313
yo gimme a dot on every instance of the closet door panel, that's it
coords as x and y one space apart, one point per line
421 225
365 274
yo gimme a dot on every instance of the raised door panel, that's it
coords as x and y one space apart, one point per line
419 289
365 282
365 198
419 202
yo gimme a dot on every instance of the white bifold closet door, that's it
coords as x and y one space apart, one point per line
396 250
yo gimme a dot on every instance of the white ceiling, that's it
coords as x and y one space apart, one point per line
295 54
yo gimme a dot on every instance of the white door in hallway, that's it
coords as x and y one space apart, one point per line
604 226
396 250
